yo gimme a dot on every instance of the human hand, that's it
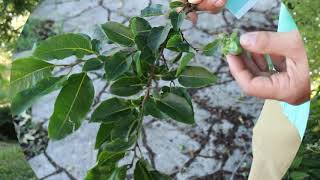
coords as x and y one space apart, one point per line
212 6
290 84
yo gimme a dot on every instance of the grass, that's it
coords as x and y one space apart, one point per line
13 165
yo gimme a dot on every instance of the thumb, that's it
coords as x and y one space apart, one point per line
287 44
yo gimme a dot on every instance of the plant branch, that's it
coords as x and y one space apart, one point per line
184 39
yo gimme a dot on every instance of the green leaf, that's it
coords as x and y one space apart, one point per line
26 72
156 175
196 77
182 92
109 158
139 25
119 173
141 171
120 145
117 65
63 46
118 33
96 45
98 173
126 86
137 61
176 43
104 134
176 107
92 65
176 4
184 62
169 76
71 106
297 175
109 110
177 19
153 10
107 163
146 55
211 48
26 98
124 128
296 162
157 36
150 108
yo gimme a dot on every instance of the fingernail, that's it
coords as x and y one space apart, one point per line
248 39
219 3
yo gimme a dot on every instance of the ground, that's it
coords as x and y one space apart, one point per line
217 147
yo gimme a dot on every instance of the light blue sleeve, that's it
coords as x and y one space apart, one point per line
298 115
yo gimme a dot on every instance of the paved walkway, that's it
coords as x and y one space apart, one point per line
219 145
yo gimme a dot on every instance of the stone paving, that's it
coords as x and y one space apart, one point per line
217 147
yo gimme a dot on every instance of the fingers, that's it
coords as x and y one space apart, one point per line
213 6
279 62
260 62
240 72
259 86
193 17
273 43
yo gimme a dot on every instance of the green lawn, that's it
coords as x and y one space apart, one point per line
13 165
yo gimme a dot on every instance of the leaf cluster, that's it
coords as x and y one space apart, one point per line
133 72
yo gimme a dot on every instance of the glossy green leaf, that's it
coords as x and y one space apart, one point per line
107 163
26 98
169 76
109 110
92 65
139 25
71 106
119 173
124 128
146 55
118 33
157 36
120 145
104 134
211 48
177 108
182 92
96 45
196 77
137 61
153 10
117 65
109 158
126 86
176 4
156 175
184 62
141 171
176 43
63 46
177 19
26 72
298 175
150 108
98 173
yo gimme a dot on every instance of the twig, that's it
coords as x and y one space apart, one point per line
239 165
